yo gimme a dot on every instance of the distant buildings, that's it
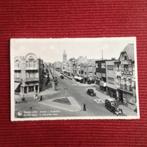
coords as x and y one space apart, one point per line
81 67
29 74
58 66
111 86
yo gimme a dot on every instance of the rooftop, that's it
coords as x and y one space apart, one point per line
129 49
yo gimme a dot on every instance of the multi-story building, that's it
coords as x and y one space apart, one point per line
91 69
125 73
111 86
28 74
101 74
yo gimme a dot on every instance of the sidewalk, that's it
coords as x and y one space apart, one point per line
127 111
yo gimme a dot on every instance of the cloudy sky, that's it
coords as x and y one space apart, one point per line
51 50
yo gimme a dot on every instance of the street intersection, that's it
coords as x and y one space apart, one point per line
69 99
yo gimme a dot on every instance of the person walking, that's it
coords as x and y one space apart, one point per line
84 107
23 98
35 96
40 98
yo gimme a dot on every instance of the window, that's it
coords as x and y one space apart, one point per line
31 63
36 75
103 65
110 80
31 88
125 57
27 75
35 64
97 66
17 75
110 67
125 67
26 63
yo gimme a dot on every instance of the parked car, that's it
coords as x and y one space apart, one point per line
91 92
112 106
61 76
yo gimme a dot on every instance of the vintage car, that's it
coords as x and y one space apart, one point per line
112 106
91 92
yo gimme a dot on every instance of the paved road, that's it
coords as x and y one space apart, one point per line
93 107
68 87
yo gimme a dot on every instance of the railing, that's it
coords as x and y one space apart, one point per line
31 68
32 79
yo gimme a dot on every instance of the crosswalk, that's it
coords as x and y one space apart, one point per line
98 100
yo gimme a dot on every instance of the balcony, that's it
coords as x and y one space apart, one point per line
32 68
32 79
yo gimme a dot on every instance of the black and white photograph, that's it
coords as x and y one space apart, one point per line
74 78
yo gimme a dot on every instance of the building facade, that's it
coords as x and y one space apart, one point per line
125 73
101 74
28 74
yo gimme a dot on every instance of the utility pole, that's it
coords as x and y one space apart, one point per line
102 54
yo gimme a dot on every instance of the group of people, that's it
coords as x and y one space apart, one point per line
36 97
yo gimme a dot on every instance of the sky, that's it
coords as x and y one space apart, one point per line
51 50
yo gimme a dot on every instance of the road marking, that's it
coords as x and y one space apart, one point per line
98 101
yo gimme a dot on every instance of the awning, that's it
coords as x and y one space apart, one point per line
16 85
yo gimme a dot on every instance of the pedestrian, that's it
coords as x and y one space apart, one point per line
23 99
35 97
41 98
84 107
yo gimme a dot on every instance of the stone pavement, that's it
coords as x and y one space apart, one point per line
74 107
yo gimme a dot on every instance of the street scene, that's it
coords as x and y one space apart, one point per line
74 78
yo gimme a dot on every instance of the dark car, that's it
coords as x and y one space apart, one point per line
61 76
91 92
112 106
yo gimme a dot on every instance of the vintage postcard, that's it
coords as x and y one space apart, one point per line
74 78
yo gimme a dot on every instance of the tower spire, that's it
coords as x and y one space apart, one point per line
64 56
102 54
